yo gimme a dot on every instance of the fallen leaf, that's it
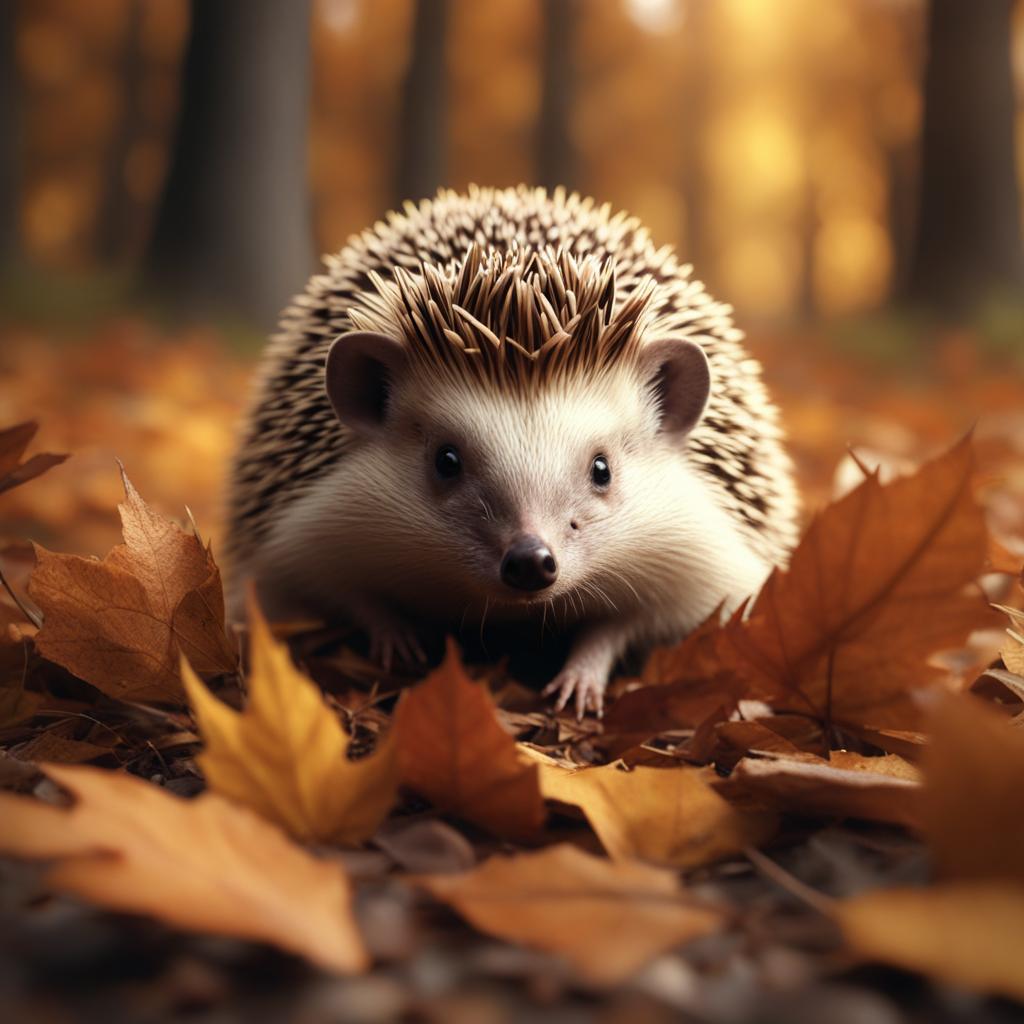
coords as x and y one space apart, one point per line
965 933
204 865
425 847
13 442
608 919
878 583
121 624
1013 653
666 816
453 751
848 788
682 686
286 756
973 801
968 928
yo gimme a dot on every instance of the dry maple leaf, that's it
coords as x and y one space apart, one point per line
13 442
608 919
452 750
667 816
967 928
121 624
873 788
204 865
879 582
285 757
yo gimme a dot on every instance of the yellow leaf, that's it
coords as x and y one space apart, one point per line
453 751
608 919
285 757
967 933
667 816
204 865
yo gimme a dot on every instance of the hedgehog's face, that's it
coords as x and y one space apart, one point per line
527 497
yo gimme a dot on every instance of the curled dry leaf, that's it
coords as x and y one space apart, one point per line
850 786
1013 653
608 919
13 442
285 757
667 816
122 624
452 750
204 865
879 582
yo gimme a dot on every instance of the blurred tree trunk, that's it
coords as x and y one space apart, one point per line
119 211
968 238
10 150
233 231
422 128
556 155
694 187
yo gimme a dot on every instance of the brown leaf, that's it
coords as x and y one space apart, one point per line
204 865
13 442
964 933
967 929
120 624
607 919
973 801
286 757
852 787
666 816
683 686
453 751
876 585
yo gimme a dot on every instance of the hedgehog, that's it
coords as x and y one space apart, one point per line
509 406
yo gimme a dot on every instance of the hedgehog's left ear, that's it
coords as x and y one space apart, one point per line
680 379
360 372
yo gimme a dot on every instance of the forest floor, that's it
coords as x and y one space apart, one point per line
828 858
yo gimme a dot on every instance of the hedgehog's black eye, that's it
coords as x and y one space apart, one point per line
600 472
448 462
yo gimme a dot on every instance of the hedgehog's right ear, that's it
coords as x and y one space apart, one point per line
360 373
680 379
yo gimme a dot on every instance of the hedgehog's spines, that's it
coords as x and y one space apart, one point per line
582 304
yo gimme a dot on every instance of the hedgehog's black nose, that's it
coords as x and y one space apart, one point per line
529 564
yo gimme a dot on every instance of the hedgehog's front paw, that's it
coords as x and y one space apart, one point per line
587 685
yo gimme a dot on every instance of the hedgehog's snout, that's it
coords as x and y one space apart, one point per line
529 564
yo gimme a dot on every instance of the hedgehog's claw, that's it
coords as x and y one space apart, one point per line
587 687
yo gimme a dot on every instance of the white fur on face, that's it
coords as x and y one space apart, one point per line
654 547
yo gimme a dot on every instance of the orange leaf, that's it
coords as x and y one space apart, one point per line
973 807
878 583
964 933
453 751
204 865
121 623
607 919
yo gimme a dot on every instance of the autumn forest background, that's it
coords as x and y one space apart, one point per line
848 175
